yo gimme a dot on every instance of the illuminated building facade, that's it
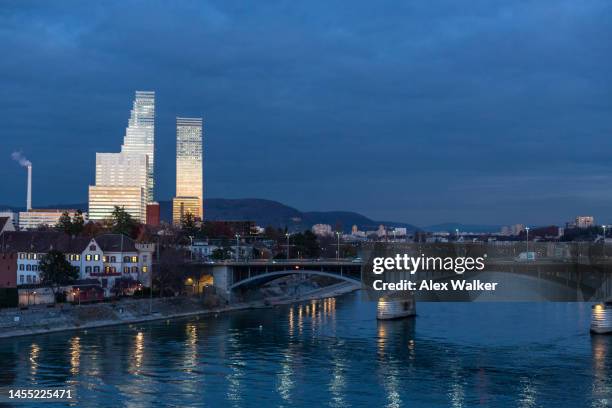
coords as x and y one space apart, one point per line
103 199
189 169
140 135
125 179
183 205
43 217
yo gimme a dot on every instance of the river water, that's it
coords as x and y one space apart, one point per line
329 352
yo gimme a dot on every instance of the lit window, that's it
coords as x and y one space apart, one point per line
96 257
77 257
145 269
126 269
88 257
135 259
104 258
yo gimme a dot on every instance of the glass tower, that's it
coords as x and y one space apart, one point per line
140 135
189 159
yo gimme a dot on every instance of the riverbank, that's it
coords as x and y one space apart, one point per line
40 320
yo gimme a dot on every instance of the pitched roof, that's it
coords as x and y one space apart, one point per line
42 241
116 243
3 221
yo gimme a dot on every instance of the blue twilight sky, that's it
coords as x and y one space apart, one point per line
426 111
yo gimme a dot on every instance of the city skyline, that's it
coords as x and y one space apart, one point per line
420 113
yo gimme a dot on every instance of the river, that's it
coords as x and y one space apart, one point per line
329 352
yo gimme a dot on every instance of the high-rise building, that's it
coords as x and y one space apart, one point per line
103 199
125 179
181 206
121 169
189 171
140 135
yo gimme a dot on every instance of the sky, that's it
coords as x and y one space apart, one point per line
482 112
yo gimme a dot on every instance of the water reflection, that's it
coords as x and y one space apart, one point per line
330 352
75 355
395 339
137 353
602 370
34 355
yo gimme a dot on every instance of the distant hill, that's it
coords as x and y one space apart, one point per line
264 213
452 226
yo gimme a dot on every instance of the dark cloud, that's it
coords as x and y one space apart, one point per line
496 111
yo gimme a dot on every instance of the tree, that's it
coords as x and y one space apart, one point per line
71 226
306 244
188 224
220 254
78 223
64 223
122 221
56 271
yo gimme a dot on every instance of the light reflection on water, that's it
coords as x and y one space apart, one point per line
330 352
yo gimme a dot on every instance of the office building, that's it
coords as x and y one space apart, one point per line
181 206
43 217
140 135
103 199
189 169
125 179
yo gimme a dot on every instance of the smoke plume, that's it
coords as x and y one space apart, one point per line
20 158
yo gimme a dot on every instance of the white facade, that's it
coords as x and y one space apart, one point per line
103 199
47 217
322 229
584 221
94 263
140 135
121 169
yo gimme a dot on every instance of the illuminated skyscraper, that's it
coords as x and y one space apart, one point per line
189 158
140 135
121 180
125 179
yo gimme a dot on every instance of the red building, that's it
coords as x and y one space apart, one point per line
8 270
153 214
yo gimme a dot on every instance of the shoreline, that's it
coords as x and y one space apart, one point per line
322 293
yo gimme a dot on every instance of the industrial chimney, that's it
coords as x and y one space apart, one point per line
29 199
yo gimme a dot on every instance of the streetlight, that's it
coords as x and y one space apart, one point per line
191 248
287 235
338 251
604 240
527 240
237 246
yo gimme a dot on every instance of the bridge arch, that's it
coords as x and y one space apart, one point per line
269 275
